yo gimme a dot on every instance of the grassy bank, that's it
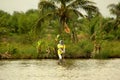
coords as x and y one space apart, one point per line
20 48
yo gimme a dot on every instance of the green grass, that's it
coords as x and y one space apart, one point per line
24 49
110 49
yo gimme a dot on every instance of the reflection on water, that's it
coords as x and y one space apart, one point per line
69 70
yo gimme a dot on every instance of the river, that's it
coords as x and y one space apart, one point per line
48 69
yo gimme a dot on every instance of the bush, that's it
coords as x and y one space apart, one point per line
87 47
80 49
73 50
109 37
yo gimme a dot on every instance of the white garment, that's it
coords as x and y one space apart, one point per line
60 56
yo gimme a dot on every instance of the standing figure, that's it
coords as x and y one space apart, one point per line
61 50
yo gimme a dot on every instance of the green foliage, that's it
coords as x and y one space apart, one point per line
73 51
104 54
87 47
17 32
4 31
115 9
64 13
4 19
82 49
109 37
110 49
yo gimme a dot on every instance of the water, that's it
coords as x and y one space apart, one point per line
49 69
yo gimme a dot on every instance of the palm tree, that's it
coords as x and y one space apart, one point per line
63 9
115 10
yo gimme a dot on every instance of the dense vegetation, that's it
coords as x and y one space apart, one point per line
90 36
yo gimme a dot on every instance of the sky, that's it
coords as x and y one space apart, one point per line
23 5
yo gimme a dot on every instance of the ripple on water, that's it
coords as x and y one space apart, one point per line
71 70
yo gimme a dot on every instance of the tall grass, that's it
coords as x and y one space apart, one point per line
21 48
81 49
110 49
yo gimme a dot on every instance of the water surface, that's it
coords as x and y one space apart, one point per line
48 69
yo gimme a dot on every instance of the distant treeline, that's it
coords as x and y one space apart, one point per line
18 22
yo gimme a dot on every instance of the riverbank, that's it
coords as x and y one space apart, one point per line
16 47
31 53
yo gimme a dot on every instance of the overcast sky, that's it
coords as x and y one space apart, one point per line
24 5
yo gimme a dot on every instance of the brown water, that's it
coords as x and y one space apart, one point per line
49 70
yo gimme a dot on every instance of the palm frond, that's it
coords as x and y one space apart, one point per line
78 13
115 9
85 5
62 1
80 3
46 5
111 6
37 27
